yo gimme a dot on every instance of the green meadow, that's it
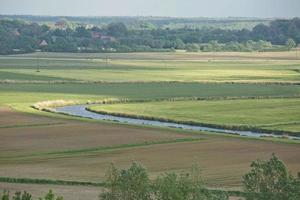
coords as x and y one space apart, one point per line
274 114
232 90
156 69
257 78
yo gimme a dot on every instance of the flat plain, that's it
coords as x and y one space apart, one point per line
259 89
273 114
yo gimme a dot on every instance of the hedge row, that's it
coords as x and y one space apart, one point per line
48 182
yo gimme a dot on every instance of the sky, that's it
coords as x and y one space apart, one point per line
171 8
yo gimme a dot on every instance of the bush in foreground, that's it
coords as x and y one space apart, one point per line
27 196
271 180
131 184
267 180
134 184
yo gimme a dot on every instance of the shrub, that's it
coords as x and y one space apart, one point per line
270 180
134 184
51 196
5 195
22 196
186 186
27 196
131 184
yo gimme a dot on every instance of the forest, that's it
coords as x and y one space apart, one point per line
19 36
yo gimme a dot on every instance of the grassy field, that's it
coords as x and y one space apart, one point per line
31 93
257 89
157 69
262 113
285 55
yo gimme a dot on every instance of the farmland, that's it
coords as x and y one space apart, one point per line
231 89
180 67
263 113
81 151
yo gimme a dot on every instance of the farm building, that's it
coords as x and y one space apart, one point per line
43 43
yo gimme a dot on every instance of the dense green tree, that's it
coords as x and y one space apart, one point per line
82 32
186 186
22 196
117 29
51 196
130 184
22 37
134 184
5 195
192 47
290 43
270 180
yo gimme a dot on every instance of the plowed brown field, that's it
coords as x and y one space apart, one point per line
60 149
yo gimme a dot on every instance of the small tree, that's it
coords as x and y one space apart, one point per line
22 196
192 47
51 196
130 184
186 186
290 43
5 195
270 180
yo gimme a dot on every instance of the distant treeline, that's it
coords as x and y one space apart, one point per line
142 22
22 37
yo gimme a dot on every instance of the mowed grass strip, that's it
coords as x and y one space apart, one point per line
266 113
90 151
28 125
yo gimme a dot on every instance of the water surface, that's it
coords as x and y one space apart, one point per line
80 111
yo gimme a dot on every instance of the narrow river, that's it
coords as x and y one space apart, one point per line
80 111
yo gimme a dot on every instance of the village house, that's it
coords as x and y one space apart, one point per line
108 38
16 33
43 43
96 35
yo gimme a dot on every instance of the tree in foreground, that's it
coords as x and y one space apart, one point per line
271 180
51 196
18 196
186 186
290 43
22 196
134 184
130 184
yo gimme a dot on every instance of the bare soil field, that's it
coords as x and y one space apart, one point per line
68 134
223 160
61 151
9 118
68 192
